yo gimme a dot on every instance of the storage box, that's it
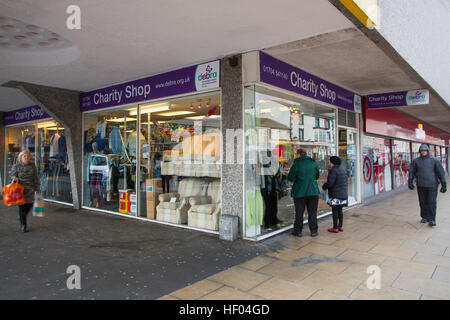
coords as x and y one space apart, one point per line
132 201
133 210
123 206
123 200
151 208
153 188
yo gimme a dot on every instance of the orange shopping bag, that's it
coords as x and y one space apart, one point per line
13 194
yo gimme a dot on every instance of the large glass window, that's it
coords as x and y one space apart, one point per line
376 156
109 161
53 162
415 150
276 125
159 160
444 158
47 144
348 152
180 161
401 160
19 138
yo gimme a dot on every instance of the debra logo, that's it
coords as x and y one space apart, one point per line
207 75
416 97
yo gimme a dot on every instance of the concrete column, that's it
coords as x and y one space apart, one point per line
64 106
232 128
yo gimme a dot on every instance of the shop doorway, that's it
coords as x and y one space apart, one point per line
348 152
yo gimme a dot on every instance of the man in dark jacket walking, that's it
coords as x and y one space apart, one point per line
305 191
428 172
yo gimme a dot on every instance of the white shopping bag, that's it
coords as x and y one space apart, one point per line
38 206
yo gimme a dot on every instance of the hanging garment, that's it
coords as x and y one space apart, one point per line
132 141
62 148
254 208
54 146
28 141
115 141
102 129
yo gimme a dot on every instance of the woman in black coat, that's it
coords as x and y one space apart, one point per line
337 184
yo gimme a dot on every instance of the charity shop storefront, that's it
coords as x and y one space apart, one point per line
391 140
33 129
285 109
151 148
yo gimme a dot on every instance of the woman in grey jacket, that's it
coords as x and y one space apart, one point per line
25 172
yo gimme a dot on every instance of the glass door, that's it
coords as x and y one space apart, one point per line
348 152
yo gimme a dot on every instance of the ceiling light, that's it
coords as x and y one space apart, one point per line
175 113
122 120
151 108
268 110
202 117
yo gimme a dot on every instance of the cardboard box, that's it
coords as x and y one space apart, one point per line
153 188
151 209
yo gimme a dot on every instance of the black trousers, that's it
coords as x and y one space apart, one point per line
338 217
166 183
24 209
270 208
311 204
427 201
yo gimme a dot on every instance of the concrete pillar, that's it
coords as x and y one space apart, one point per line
232 126
64 106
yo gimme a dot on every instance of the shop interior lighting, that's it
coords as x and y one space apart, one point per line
151 108
201 117
268 110
175 113
122 120
46 125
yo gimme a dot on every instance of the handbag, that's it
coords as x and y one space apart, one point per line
336 202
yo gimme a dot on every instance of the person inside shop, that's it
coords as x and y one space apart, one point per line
428 172
305 191
25 173
337 184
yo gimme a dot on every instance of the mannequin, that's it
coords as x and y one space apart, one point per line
270 188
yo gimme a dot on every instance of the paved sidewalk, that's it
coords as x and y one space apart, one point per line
414 259
119 258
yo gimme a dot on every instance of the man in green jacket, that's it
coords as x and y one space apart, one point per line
305 191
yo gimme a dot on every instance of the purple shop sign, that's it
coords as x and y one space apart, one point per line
398 99
190 79
32 113
288 77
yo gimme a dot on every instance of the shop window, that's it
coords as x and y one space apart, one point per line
53 162
159 160
377 177
180 161
109 161
401 161
47 144
19 138
272 139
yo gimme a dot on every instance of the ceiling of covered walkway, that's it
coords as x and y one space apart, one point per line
121 41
